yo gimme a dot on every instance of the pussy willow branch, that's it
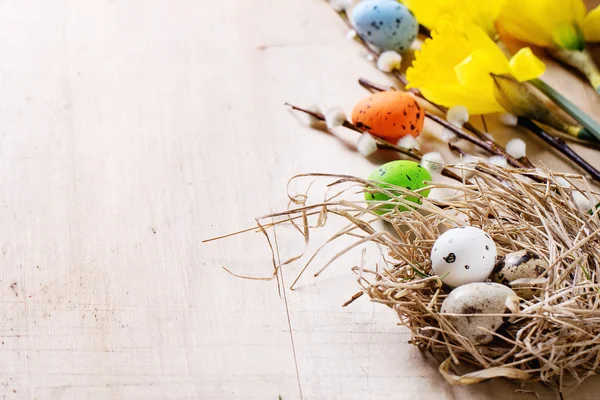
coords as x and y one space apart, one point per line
490 145
560 145
381 143
456 149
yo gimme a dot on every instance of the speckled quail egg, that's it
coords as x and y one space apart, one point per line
390 115
520 265
477 298
463 255
386 24
404 173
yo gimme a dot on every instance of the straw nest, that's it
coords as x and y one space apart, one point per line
554 338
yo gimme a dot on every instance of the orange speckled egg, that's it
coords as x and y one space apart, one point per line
389 115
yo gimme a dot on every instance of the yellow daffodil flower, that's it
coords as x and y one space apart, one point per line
548 23
560 25
453 67
591 25
481 13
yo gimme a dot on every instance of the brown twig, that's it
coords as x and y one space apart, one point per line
561 146
381 143
456 149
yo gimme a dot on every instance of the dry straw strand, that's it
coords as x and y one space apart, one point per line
553 338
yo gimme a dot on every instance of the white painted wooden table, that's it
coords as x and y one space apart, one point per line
130 131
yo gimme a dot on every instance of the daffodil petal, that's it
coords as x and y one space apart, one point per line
525 65
481 13
484 13
479 40
453 67
547 23
428 13
474 69
591 25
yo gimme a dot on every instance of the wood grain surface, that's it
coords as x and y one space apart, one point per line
130 131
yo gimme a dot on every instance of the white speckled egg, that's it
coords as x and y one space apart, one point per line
386 24
463 255
520 265
477 298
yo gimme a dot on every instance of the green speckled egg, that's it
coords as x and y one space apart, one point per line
408 174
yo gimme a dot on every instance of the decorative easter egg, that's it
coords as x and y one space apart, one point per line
386 24
463 255
389 115
403 173
477 298
520 265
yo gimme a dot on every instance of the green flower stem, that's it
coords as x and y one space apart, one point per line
517 98
582 61
592 128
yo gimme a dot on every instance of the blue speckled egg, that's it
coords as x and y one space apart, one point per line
385 24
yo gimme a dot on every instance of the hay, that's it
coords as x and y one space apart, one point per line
552 338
